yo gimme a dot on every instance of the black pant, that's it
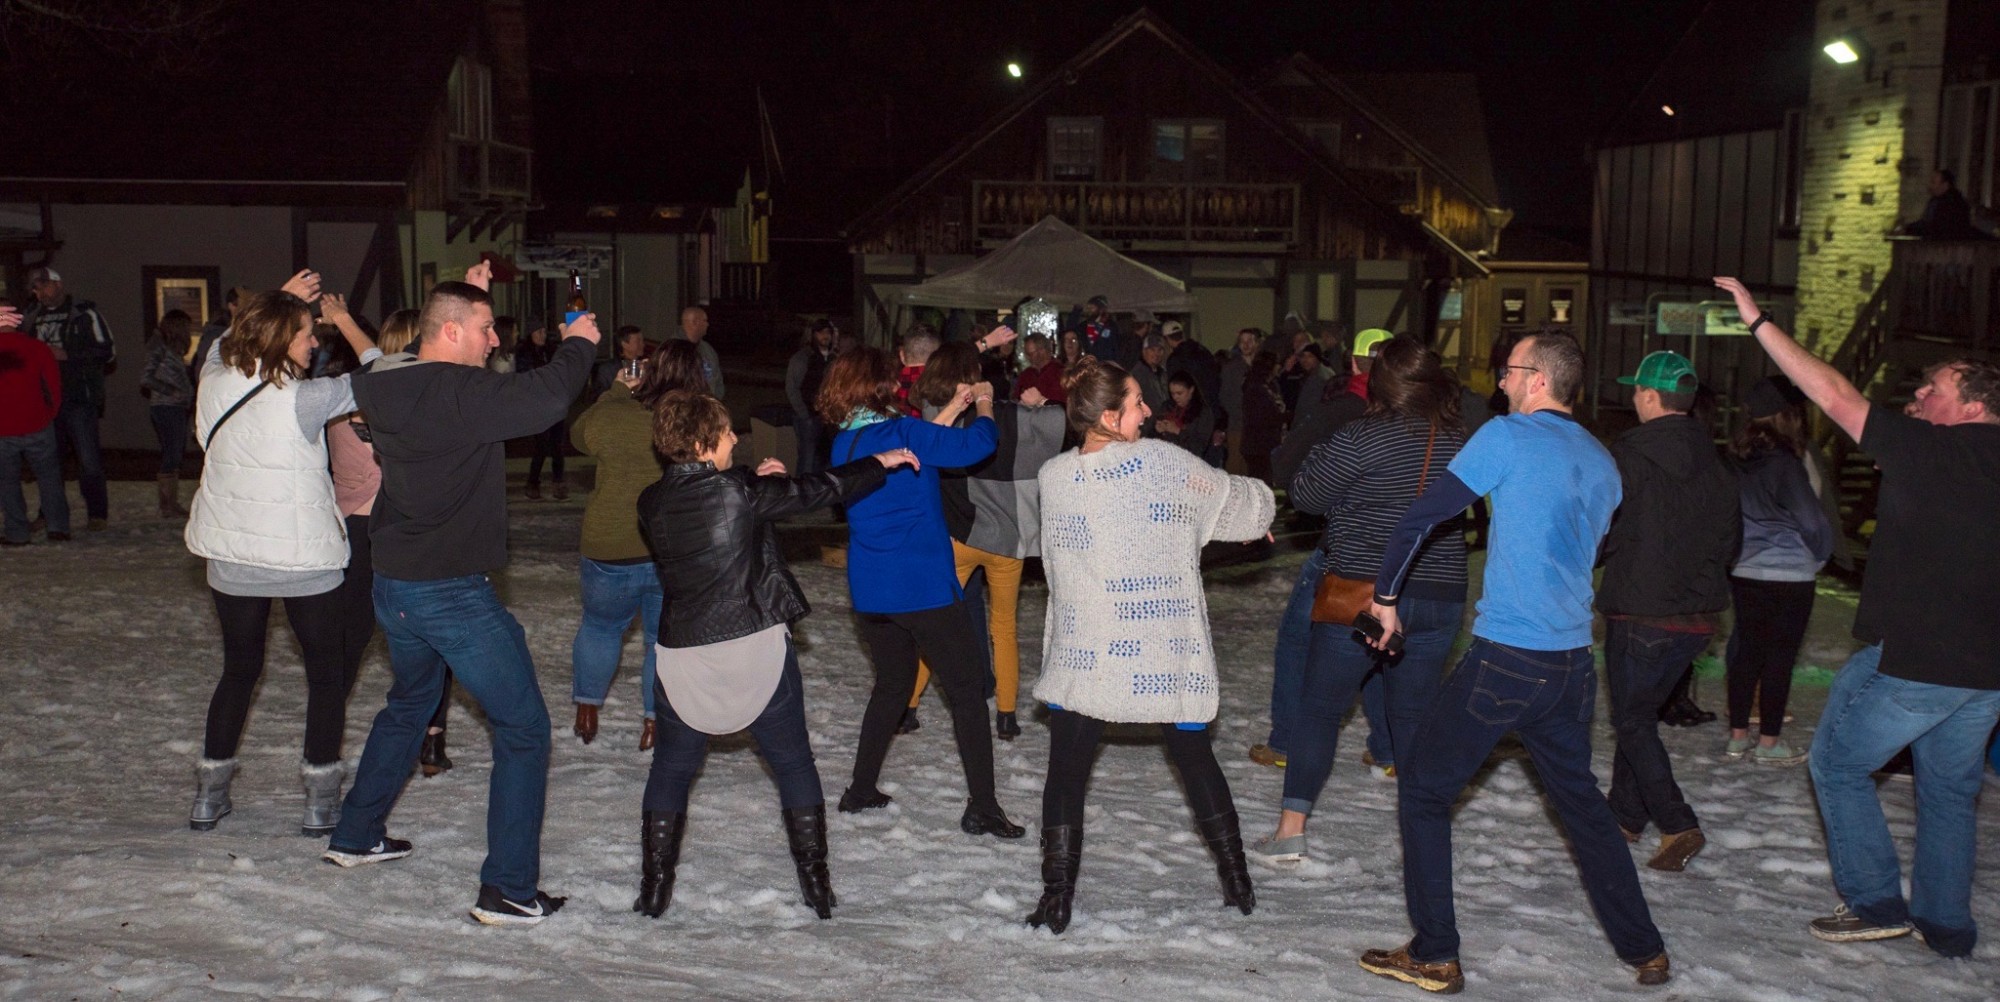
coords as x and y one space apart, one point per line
1641 663
317 621
1770 624
945 639
357 600
548 445
1073 739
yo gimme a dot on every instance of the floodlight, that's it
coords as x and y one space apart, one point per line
1842 50
1014 70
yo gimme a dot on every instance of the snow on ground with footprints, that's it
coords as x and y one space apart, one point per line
109 651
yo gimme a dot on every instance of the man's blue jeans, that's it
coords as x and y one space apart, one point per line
76 428
39 450
1288 670
1335 669
612 593
1642 664
781 739
1869 717
457 622
1547 698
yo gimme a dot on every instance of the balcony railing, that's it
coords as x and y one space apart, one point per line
487 171
1142 215
1947 292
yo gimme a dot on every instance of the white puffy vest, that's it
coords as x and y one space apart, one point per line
266 497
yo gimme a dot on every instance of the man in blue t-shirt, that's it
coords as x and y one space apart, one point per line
1529 670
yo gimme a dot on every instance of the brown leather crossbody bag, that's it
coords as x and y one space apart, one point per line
1340 599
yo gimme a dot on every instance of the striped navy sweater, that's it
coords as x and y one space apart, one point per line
1363 477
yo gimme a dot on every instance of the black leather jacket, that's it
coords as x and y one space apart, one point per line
716 551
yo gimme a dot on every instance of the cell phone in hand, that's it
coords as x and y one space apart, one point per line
1368 626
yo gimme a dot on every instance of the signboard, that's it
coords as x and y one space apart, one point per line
1713 318
558 260
1629 314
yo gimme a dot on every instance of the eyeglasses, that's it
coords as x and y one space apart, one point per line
1523 368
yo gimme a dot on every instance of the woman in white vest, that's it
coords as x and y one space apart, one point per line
265 519
1127 639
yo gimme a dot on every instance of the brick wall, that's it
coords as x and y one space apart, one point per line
1869 138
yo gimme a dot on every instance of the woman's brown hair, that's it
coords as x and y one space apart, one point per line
687 423
1409 381
1094 387
675 366
176 331
953 364
399 332
260 341
1783 430
861 380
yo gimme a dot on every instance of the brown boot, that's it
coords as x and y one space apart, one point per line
1654 971
586 722
648 732
1444 978
170 501
1677 849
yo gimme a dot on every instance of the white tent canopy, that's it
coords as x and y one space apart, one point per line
1054 261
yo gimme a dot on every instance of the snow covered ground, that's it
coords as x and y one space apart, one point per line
109 650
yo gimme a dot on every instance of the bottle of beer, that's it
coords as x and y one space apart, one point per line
576 300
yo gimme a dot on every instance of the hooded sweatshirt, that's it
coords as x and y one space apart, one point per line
1786 534
441 432
1677 530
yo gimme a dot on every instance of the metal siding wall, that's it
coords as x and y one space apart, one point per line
1634 242
1758 217
1707 177
1660 200
1729 224
1680 207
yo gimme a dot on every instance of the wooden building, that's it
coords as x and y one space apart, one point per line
1145 143
387 154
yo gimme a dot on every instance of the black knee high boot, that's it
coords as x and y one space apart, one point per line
1062 854
1226 842
806 828
660 838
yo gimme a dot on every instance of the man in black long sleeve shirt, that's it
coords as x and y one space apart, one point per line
440 421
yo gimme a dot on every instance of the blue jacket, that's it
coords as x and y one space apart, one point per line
1786 535
898 549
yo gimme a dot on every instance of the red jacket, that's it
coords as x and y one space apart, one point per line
1047 379
30 385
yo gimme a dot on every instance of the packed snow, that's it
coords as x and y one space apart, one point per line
111 652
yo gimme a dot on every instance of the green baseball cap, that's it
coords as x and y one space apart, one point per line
1365 341
1665 371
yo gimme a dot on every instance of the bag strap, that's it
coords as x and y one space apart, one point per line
1424 478
231 412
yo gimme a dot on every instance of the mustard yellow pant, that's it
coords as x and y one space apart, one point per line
1003 598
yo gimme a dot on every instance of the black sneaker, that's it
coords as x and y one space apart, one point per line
58 537
495 909
383 851
909 724
1844 926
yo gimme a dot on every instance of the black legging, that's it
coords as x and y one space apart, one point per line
317 622
1771 619
357 600
548 445
1073 739
945 639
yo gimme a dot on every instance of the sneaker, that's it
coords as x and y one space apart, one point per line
494 908
382 852
1777 754
1737 747
1272 849
1267 755
1444 978
1844 926
909 724
533 492
1677 849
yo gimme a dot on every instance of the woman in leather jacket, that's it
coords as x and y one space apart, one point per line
726 661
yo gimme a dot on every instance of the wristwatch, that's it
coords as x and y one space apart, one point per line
1762 319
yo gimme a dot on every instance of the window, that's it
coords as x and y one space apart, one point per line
469 96
1186 149
1967 142
1324 134
1075 148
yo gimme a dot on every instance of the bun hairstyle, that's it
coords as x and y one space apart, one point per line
1094 386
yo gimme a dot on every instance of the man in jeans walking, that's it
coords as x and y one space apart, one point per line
1930 675
30 398
1666 584
440 420
1529 671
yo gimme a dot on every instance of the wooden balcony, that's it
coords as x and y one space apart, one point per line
1946 293
1255 218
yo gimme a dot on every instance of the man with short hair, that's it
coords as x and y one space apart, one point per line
1529 670
1151 374
628 345
1041 382
1947 215
913 354
31 393
694 327
1665 587
1094 325
81 341
803 376
1929 677
440 421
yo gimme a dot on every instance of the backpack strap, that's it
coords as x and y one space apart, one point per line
231 412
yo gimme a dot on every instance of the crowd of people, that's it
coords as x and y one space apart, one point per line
360 477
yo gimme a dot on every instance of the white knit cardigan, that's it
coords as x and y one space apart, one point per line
1127 635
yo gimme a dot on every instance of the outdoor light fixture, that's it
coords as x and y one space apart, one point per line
1667 110
1842 50
1014 70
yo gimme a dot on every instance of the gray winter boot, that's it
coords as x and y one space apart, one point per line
322 783
211 793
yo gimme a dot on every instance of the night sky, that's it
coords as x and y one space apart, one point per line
862 94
